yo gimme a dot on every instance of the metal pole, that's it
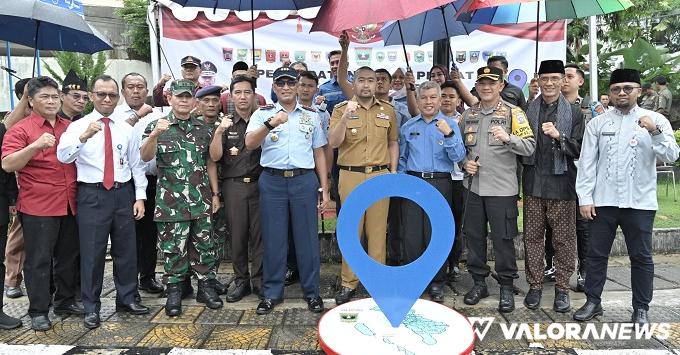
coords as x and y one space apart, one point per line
448 39
153 41
592 42
252 29
37 51
403 45
11 84
538 16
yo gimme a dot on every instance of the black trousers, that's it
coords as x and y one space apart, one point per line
3 244
417 228
147 235
102 213
395 232
457 201
501 215
51 246
636 226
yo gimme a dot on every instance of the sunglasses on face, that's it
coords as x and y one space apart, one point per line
102 95
189 66
78 97
283 83
627 89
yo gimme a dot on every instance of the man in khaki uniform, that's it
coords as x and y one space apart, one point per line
366 133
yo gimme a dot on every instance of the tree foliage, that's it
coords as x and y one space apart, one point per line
86 66
134 13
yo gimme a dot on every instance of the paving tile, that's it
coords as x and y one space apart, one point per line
7 336
61 333
301 316
224 316
251 318
176 335
238 337
560 317
111 334
668 272
327 288
16 308
188 316
673 339
132 318
294 338
615 314
524 315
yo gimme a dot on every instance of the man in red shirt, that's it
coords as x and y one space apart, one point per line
46 203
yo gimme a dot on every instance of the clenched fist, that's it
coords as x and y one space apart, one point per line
351 109
550 130
471 167
45 141
444 127
500 134
344 41
91 130
162 125
224 125
280 118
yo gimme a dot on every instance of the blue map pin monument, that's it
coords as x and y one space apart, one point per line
395 289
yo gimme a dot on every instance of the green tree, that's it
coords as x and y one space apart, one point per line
134 14
86 66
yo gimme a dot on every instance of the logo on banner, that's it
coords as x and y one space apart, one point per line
486 55
402 58
380 56
316 56
270 55
363 55
284 56
365 33
419 56
392 56
300 56
460 56
241 54
474 56
258 54
227 54
502 54
429 56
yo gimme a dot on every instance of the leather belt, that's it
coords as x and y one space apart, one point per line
288 172
244 179
428 176
116 185
363 169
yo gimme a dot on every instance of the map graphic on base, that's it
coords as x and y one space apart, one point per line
359 327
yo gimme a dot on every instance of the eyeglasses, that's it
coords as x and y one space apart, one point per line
627 89
78 97
282 83
554 80
102 95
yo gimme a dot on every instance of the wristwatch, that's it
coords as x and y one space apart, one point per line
656 132
268 124
450 134
218 194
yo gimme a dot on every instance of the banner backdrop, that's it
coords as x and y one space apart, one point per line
226 41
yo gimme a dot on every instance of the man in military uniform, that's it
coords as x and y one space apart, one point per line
73 97
191 70
180 143
664 97
549 179
430 146
496 133
649 98
292 146
240 171
208 107
366 132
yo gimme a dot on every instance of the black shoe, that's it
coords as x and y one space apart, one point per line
588 311
206 294
40 323
580 281
219 287
436 293
69 309
315 304
476 293
266 306
453 275
173 303
344 295
562 303
7 322
639 316
240 290
14 292
187 289
533 298
91 320
138 298
506 303
132 308
292 276
150 286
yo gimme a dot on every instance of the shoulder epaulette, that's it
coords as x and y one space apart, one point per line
510 105
341 104
308 108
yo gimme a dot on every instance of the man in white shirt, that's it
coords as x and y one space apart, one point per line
616 187
138 114
106 154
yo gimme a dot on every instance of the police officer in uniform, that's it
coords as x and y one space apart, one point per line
366 132
292 144
240 171
430 145
496 133
180 143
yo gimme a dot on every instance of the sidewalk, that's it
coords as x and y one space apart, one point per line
291 329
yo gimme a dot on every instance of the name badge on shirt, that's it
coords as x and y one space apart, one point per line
608 134
383 116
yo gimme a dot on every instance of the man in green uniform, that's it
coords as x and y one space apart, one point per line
664 97
180 144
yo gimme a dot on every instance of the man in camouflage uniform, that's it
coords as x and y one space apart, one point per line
180 143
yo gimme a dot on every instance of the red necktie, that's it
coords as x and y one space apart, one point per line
108 155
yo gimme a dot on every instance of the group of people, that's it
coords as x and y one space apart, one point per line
223 165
